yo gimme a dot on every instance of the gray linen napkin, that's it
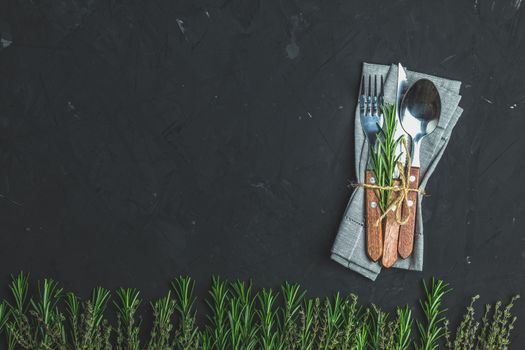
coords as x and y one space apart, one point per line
349 248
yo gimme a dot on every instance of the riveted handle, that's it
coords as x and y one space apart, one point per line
374 233
406 233
391 234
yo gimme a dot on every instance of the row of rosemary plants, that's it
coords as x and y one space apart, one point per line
238 318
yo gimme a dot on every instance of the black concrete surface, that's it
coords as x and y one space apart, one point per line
140 140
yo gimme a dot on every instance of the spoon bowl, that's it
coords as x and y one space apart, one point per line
419 113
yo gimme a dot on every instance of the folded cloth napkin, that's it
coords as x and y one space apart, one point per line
349 248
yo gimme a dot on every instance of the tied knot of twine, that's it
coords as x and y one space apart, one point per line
403 190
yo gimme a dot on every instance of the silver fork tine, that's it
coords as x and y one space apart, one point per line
369 96
374 97
381 97
369 85
362 98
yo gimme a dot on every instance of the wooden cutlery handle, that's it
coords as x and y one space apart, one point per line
374 233
406 233
391 234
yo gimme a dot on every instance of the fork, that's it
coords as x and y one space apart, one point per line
371 117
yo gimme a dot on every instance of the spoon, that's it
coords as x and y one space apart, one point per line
419 116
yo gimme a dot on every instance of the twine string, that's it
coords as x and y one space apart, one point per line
403 190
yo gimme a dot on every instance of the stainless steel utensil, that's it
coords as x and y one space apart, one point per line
419 116
420 112
392 228
370 109
371 117
402 88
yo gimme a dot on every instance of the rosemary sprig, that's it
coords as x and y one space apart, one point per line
99 299
205 341
18 328
404 330
47 315
218 329
267 315
432 329
383 156
243 329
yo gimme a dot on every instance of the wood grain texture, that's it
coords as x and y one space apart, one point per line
391 230
406 232
374 233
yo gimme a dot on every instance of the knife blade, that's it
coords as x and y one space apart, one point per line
402 87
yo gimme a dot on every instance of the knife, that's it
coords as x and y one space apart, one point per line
406 232
392 229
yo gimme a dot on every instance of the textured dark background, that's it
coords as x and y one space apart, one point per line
140 140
